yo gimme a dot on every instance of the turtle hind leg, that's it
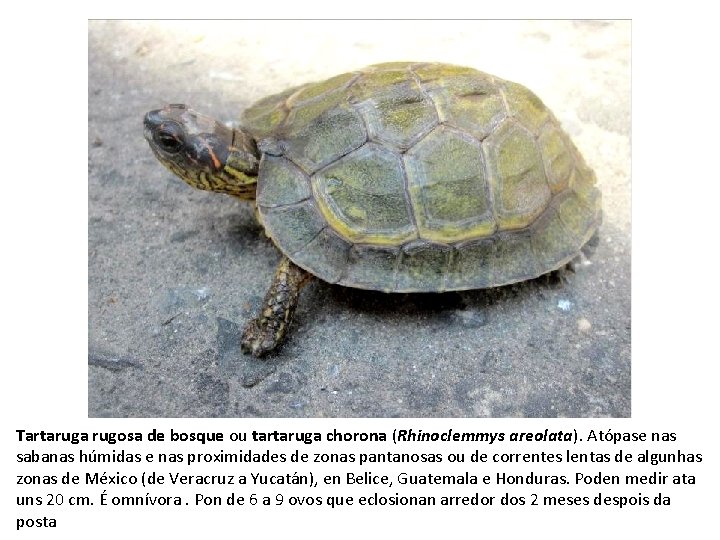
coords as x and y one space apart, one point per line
266 332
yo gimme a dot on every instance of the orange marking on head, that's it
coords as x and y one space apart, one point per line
215 160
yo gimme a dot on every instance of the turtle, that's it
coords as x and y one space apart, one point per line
399 177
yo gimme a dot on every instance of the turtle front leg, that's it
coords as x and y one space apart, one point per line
264 333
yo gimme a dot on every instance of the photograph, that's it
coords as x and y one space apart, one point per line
359 218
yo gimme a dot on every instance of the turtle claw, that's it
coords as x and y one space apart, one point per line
258 339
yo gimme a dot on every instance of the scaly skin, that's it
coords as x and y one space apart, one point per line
267 331
203 152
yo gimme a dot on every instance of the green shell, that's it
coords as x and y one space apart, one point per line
420 177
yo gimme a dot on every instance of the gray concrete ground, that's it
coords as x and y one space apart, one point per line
174 273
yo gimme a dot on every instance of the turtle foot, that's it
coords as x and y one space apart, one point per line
267 331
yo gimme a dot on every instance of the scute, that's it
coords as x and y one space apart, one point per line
514 258
311 91
380 83
362 196
553 241
520 187
524 106
577 217
325 138
266 115
420 177
465 100
448 187
372 267
422 267
326 254
558 159
399 115
471 267
281 182
293 227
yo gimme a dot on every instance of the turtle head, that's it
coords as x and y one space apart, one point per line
202 151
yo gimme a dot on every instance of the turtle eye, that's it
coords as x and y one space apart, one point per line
168 141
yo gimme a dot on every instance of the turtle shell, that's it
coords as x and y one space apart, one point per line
411 177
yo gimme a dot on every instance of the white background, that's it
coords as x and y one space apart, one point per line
675 211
